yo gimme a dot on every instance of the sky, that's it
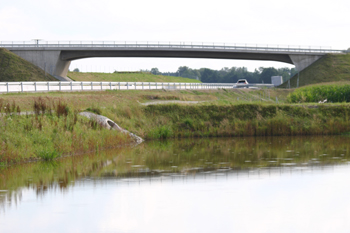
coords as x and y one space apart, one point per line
271 22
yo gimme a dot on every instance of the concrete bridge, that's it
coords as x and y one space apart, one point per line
55 57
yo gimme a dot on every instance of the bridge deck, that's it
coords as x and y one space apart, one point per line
91 45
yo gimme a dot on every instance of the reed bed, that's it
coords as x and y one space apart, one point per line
247 120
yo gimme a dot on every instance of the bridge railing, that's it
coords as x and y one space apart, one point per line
169 45
12 87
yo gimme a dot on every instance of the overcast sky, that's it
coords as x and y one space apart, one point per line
269 22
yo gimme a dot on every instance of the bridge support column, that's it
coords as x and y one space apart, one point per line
49 61
303 61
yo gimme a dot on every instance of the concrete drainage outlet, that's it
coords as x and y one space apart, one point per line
109 124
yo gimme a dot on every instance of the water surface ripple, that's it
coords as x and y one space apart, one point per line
274 184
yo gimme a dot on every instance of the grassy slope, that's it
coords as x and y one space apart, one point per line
127 77
14 68
330 68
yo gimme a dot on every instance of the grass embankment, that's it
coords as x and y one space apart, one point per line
338 92
330 68
15 69
127 77
227 113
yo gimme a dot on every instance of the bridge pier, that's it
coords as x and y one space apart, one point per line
47 60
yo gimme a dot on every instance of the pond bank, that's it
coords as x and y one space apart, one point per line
56 129
247 120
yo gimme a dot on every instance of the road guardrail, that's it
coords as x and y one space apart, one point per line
11 87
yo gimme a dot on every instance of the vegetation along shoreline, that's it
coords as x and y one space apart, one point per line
56 129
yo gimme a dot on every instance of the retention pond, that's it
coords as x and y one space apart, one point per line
273 184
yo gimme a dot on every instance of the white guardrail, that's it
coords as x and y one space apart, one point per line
11 87
168 45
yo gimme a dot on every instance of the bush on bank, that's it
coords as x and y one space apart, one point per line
333 93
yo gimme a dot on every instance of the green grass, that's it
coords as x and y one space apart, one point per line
230 112
334 93
329 68
127 77
14 68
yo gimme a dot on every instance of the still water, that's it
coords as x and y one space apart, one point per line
275 184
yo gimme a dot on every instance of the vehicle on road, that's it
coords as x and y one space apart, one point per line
241 83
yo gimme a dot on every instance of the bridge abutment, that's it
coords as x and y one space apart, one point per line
303 61
47 60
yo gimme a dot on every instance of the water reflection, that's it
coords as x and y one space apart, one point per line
178 159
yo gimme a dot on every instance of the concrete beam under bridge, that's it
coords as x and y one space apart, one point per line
55 59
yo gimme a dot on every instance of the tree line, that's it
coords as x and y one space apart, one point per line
229 75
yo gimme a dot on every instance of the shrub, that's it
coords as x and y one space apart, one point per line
47 154
333 93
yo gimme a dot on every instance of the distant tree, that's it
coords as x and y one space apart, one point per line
293 72
231 75
145 71
285 72
155 71
267 73
76 70
184 71
208 75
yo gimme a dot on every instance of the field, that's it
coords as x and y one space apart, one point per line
127 77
